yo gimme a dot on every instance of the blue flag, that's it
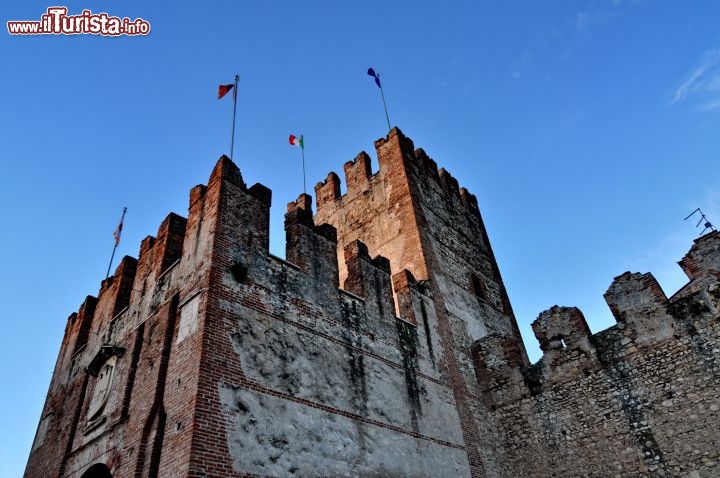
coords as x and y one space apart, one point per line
372 73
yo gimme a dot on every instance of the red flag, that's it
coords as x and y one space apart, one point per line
224 90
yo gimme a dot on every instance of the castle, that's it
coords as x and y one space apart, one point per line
383 345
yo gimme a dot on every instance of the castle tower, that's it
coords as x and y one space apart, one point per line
210 357
425 224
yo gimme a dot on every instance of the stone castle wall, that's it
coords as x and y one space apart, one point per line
639 399
208 356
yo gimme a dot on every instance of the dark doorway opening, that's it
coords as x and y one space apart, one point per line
98 470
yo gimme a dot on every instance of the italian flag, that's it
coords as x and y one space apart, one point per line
295 141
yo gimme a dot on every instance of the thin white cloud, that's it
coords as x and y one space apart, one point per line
713 84
582 20
691 81
587 19
712 105
702 84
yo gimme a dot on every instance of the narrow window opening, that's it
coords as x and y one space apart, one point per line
478 288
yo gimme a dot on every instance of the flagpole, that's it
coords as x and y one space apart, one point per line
302 150
232 139
112 256
384 105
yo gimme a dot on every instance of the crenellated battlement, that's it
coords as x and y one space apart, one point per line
405 286
449 183
624 398
310 247
562 329
328 190
395 153
426 164
703 259
498 363
367 275
638 302
358 173
387 209
183 244
646 320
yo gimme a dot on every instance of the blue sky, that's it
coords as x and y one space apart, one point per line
587 130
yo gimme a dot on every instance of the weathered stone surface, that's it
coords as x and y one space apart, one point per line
637 399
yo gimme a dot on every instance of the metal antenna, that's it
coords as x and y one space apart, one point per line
703 220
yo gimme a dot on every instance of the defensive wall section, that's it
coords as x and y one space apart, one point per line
640 399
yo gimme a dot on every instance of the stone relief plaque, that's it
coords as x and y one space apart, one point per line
103 384
188 318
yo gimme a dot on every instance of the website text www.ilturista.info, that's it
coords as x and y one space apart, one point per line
57 22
